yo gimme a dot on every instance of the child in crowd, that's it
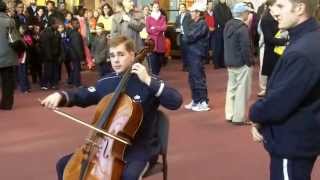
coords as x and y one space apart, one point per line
23 58
100 51
65 53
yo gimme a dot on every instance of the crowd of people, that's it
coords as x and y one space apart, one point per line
233 37
54 37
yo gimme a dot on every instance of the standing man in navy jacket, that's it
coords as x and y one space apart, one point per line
150 91
287 120
197 38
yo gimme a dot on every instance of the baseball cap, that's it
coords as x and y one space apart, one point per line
239 8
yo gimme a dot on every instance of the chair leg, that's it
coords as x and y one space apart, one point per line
165 167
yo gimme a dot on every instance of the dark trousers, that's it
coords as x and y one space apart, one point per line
76 73
291 169
218 51
156 60
104 68
7 75
132 170
36 70
183 52
197 78
67 65
211 45
50 75
23 77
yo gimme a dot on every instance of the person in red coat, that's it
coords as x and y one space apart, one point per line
211 22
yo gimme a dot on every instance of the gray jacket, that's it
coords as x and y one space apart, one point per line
130 29
100 48
7 56
237 44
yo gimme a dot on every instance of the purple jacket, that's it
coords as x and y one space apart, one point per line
156 29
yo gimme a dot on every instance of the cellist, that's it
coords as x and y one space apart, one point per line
147 89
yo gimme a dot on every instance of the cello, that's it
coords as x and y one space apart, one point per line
102 157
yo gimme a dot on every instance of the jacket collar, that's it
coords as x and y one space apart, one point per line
303 28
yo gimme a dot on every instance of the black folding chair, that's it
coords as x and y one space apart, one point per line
163 135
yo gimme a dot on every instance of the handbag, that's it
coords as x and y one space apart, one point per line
15 40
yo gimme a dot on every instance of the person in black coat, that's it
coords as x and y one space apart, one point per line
50 44
76 52
222 14
8 60
269 27
32 9
182 24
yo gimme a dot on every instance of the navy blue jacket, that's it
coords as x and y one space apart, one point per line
237 44
290 112
197 38
143 146
76 50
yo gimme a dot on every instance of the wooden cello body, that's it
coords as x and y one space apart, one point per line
107 155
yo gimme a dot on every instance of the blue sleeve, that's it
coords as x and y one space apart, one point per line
197 33
82 97
169 97
293 83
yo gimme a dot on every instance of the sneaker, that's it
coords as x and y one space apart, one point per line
44 88
55 87
202 106
190 105
261 93
26 92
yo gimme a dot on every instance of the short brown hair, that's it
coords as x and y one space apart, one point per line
270 2
118 40
311 5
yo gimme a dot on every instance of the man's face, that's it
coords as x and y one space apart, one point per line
146 11
285 13
20 8
32 2
121 59
60 28
194 15
182 8
245 15
50 6
62 6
